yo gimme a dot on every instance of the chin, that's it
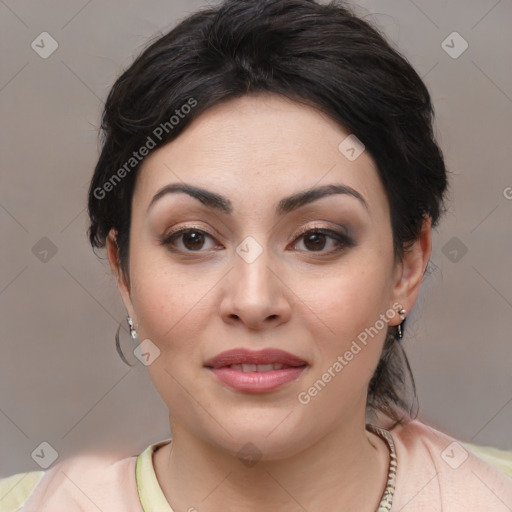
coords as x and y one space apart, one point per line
262 439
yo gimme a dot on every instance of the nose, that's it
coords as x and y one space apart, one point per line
255 295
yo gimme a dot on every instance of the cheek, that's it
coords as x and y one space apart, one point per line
165 296
350 307
169 312
352 298
350 341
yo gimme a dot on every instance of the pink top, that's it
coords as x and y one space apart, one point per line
435 473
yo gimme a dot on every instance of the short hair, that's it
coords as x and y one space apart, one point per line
321 55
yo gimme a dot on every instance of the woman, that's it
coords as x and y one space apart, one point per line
266 192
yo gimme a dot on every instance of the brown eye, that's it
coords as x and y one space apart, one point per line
192 240
315 240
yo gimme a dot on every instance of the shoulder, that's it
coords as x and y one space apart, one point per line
437 469
84 483
15 489
500 459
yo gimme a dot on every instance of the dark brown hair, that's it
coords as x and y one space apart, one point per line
320 55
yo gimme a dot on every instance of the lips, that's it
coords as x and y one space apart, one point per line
257 367
255 361
261 371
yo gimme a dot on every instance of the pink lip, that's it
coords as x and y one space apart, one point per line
256 382
244 356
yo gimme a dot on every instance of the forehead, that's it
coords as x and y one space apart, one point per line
259 148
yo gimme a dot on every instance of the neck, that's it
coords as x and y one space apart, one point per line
348 466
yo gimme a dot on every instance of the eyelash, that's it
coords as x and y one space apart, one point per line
341 239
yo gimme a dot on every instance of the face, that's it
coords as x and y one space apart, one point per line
250 268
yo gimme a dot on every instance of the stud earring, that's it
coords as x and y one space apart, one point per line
400 327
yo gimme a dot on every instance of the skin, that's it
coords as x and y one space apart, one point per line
304 298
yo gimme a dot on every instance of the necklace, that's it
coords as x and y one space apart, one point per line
387 497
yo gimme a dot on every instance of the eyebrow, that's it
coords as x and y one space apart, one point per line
285 205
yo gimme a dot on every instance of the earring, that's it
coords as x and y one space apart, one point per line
400 327
133 332
134 336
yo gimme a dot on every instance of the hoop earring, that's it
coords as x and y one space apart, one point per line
400 327
134 336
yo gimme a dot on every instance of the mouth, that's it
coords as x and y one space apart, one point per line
246 368
252 361
256 372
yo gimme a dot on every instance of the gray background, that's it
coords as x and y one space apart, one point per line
61 380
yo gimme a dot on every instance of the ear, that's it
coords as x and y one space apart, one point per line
410 271
123 283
